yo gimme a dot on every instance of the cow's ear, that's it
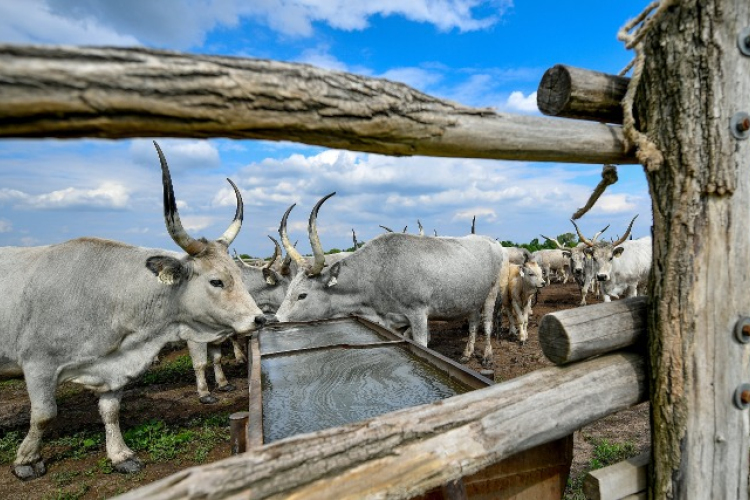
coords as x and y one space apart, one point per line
169 270
618 251
271 277
334 274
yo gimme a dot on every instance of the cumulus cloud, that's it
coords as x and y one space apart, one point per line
518 102
182 24
181 154
615 203
108 196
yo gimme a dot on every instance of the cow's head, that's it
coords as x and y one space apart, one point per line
313 289
603 253
531 273
207 282
267 284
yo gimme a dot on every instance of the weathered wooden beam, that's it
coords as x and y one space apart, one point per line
576 334
619 480
405 453
117 93
583 94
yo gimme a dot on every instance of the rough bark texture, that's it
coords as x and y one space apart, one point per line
116 93
694 80
571 92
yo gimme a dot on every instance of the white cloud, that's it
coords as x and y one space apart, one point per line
414 77
518 102
615 203
195 223
182 24
5 226
181 154
108 196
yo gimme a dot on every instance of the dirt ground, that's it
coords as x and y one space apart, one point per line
86 475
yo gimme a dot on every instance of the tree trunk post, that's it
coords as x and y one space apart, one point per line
695 79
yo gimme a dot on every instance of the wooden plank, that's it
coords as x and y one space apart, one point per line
117 93
583 332
571 92
619 480
406 453
255 406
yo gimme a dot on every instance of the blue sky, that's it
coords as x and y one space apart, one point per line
490 53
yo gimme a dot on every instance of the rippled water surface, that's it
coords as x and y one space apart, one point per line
314 390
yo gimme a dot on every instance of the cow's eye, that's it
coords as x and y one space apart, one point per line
302 296
217 283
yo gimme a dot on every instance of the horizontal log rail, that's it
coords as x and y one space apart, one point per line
583 332
405 453
113 93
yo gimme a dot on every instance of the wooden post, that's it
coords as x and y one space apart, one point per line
695 79
571 92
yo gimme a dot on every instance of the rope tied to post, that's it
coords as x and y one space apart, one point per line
632 34
609 177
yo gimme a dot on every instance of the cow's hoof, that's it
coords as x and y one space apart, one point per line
208 400
227 388
29 471
488 364
129 466
464 359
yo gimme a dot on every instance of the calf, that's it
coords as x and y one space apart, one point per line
523 283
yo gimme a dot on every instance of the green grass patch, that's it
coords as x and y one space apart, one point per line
158 440
78 445
13 383
605 453
167 372
8 446
69 494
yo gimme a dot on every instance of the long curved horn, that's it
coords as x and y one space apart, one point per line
387 229
627 233
234 228
593 240
473 224
581 236
553 240
354 240
276 253
317 248
290 250
171 216
241 260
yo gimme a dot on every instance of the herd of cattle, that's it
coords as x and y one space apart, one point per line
97 312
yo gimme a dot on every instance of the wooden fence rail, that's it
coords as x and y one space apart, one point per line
408 452
117 92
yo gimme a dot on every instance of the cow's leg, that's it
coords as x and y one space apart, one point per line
420 332
199 357
123 458
41 385
473 327
239 353
488 317
518 320
214 351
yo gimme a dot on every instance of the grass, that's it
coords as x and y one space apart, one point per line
605 453
175 370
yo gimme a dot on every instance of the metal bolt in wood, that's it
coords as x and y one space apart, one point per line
743 41
740 125
742 397
742 330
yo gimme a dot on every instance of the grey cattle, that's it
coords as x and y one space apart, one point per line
267 285
552 261
603 253
581 265
517 255
629 269
96 312
400 280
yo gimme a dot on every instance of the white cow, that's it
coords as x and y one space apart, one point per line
552 261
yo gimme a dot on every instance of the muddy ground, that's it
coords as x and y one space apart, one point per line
76 470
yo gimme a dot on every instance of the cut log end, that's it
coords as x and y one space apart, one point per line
553 93
555 343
